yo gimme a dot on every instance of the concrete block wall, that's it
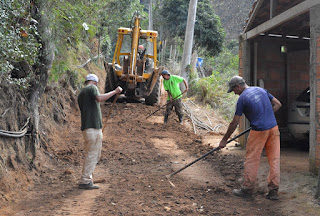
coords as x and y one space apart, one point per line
314 138
316 64
298 73
271 69
244 71
279 70
271 66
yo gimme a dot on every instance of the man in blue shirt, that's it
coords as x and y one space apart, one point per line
258 105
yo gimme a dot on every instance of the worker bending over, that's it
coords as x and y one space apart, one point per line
258 105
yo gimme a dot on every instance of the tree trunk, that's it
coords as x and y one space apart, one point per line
42 68
194 64
174 53
160 33
150 48
188 41
163 53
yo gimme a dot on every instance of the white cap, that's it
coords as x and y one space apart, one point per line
92 77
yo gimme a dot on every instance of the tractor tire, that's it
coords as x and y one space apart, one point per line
154 96
110 84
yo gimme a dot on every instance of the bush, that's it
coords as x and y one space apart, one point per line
18 33
213 89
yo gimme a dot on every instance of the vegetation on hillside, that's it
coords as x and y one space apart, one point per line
19 35
73 32
171 20
212 89
220 60
45 45
233 14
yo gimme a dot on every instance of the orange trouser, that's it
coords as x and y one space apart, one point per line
257 140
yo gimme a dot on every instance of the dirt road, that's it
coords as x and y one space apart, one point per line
137 155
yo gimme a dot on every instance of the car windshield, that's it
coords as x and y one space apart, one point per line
304 96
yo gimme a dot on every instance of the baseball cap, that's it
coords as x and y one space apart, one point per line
234 81
165 72
92 77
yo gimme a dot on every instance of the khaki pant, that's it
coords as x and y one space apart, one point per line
92 152
257 140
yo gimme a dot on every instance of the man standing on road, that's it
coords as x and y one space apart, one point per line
171 85
91 126
259 106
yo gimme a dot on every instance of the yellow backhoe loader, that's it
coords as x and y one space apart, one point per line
134 65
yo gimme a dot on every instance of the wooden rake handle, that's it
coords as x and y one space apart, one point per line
109 113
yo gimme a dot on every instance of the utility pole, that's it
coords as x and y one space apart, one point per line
188 41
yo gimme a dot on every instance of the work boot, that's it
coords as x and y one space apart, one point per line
165 121
245 193
88 186
273 195
180 119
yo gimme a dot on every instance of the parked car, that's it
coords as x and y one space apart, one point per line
299 116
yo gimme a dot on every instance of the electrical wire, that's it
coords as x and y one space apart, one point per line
16 134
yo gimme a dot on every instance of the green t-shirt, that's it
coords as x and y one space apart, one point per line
172 85
90 108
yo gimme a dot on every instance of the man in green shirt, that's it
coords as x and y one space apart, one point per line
91 126
171 85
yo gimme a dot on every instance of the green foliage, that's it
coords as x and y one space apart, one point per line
18 37
78 25
119 13
72 23
58 68
208 31
213 89
106 45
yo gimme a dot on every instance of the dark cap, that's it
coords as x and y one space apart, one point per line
165 72
234 81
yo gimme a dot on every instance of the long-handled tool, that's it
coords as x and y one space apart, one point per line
203 156
104 126
166 104
109 113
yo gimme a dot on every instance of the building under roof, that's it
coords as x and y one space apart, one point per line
280 51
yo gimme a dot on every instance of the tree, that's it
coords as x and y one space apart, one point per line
187 48
18 33
208 32
119 13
